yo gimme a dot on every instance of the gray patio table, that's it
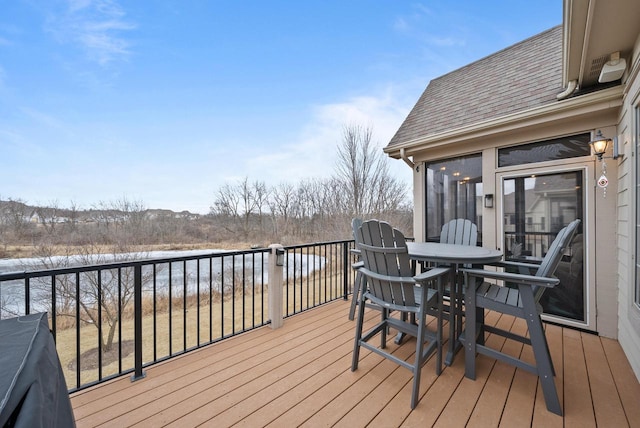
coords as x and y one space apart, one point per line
456 256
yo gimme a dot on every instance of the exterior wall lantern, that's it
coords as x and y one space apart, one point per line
599 145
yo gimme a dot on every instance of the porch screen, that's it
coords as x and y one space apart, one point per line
559 148
453 190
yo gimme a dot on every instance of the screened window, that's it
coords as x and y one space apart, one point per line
542 151
453 190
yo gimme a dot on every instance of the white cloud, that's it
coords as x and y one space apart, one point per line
445 41
313 155
75 5
419 25
95 25
400 24
45 119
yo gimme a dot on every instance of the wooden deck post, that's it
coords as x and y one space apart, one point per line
275 285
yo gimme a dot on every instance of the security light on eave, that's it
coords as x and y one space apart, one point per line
613 69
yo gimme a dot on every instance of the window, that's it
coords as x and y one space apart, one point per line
453 190
558 148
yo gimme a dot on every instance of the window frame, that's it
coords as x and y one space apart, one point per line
472 208
636 288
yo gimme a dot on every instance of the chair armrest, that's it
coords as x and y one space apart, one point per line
513 277
355 251
357 265
431 274
519 265
423 277
389 278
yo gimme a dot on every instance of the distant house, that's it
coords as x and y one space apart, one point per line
43 215
504 141
35 217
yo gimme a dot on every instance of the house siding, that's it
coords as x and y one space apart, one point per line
629 313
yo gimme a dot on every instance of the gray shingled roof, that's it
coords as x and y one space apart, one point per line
520 77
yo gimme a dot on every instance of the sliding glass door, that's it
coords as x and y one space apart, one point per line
535 206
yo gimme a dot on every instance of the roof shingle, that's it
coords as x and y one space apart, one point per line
520 77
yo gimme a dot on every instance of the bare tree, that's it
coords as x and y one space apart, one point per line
363 171
260 194
14 216
240 203
281 205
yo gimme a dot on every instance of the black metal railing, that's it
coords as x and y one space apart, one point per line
117 318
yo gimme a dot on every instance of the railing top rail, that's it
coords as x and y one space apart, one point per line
315 244
9 276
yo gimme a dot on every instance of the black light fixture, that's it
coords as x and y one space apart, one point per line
279 256
599 145
488 200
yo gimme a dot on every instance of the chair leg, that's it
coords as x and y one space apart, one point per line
358 335
383 333
419 358
544 366
480 325
357 287
541 354
546 347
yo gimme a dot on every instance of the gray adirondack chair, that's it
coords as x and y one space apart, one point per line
459 231
520 300
391 285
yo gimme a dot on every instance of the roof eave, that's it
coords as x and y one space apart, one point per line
600 100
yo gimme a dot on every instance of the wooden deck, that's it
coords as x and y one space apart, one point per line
300 375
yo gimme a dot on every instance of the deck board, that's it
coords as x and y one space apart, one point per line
490 402
578 405
300 375
627 387
607 406
541 416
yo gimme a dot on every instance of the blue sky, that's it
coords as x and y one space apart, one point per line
164 101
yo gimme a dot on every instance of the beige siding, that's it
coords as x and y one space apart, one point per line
629 313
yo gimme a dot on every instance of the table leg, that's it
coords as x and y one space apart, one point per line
455 316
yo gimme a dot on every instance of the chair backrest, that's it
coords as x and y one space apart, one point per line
355 225
552 259
459 231
386 262
554 254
